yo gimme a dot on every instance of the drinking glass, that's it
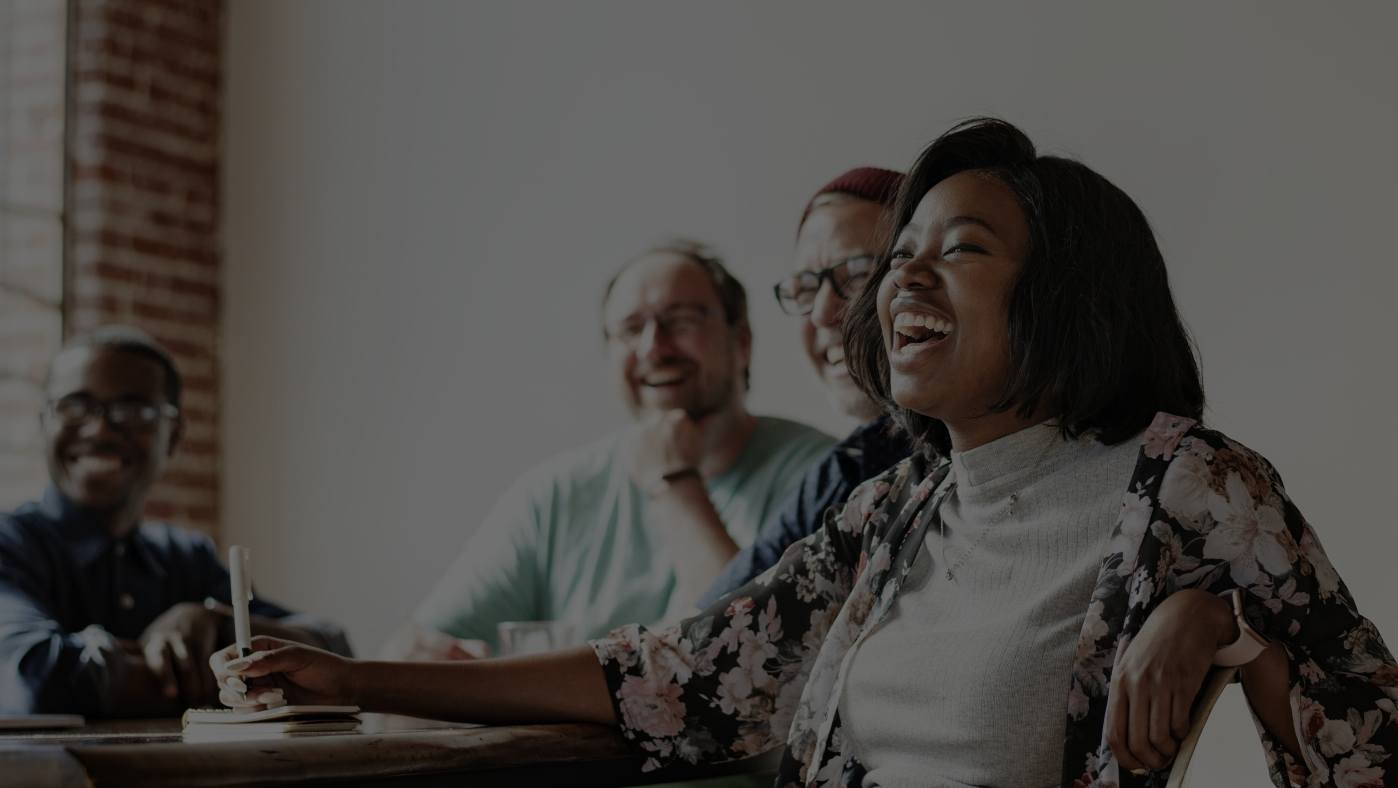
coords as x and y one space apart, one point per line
518 638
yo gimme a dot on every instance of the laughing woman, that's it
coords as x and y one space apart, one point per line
1034 599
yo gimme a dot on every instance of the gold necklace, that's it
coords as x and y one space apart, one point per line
1005 515
942 531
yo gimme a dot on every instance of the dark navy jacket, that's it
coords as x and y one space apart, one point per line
68 589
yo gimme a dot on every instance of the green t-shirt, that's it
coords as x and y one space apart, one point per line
571 540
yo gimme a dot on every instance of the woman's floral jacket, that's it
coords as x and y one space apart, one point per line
766 663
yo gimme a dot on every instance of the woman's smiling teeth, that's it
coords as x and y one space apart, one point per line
913 328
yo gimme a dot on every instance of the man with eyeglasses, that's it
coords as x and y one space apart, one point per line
101 614
836 242
634 527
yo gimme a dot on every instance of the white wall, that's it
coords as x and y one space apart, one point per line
423 201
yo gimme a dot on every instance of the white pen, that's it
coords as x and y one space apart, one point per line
241 580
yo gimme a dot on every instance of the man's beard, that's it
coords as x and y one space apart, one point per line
703 400
701 411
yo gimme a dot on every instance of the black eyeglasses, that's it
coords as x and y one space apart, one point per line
797 293
75 409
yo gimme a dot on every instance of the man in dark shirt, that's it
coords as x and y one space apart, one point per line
836 242
100 614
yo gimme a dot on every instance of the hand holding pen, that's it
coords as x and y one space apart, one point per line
286 671
236 692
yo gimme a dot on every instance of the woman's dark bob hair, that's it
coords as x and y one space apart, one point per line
1095 339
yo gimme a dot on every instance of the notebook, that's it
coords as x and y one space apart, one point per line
231 724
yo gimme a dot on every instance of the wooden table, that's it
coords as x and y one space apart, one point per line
389 752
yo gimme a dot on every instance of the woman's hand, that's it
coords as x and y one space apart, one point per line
1159 676
279 671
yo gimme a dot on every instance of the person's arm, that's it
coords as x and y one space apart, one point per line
46 669
824 486
564 686
1155 683
1329 686
704 691
665 456
717 687
699 541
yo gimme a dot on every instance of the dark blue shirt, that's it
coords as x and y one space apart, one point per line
68 589
871 449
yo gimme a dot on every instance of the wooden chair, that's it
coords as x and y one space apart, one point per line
1217 681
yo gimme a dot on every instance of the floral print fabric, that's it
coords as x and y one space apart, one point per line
763 666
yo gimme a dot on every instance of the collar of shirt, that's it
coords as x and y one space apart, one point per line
879 443
85 537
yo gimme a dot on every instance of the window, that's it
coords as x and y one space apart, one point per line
33 64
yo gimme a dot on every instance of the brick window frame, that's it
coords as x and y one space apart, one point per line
33 99
140 235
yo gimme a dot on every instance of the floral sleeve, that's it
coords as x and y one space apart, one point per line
726 684
1235 526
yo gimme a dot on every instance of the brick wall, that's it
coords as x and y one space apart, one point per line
143 213
31 230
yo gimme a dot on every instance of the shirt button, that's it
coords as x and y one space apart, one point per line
126 601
